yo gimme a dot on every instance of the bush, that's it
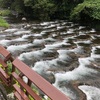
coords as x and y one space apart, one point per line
43 9
5 12
89 8
3 23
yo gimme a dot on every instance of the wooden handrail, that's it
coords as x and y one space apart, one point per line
23 91
26 86
52 92
6 54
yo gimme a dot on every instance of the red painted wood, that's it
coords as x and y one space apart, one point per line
21 93
3 63
17 96
4 73
4 52
26 87
5 78
39 81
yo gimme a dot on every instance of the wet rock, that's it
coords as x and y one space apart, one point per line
83 37
49 76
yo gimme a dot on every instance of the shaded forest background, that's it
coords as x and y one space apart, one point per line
54 9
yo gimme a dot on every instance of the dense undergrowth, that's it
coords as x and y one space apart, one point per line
3 22
54 9
87 9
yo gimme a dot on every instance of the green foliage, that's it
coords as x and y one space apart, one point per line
10 88
9 64
18 6
55 9
89 8
0 65
29 2
75 14
43 9
5 12
5 3
3 23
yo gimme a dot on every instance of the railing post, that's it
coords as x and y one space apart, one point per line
11 77
29 84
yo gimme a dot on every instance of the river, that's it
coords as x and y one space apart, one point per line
64 53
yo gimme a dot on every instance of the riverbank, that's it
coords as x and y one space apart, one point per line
3 23
3 13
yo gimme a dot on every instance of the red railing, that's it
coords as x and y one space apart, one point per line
24 90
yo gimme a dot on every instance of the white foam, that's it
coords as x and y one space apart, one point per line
93 55
78 50
60 27
11 30
18 48
22 32
38 41
77 73
81 27
26 36
43 33
5 42
31 55
19 39
2 37
86 42
91 92
93 30
63 54
41 66
70 31
57 45
85 61
36 35
50 39
72 37
81 33
63 33
50 26
44 23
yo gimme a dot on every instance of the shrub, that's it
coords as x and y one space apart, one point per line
3 23
88 8
5 12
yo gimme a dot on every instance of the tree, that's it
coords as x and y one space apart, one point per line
43 9
89 9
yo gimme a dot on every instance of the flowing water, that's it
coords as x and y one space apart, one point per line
64 53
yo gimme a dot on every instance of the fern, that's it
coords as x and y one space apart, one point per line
88 7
